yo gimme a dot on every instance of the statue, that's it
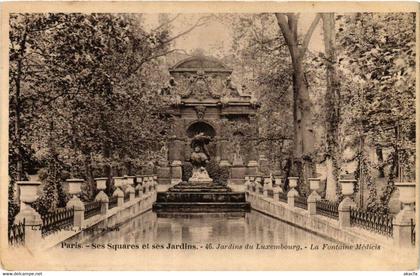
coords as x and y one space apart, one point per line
164 155
237 158
199 158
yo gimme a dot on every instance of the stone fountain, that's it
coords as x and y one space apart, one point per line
200 193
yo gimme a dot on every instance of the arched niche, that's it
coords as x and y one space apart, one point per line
200 126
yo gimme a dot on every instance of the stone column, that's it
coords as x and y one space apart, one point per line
402 222
292 192
224 152
33 221
347 186
74 188
101 196
314 196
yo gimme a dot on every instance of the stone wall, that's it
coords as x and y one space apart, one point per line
323 226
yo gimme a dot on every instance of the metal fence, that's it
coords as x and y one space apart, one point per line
301 202
327 208
113 201
57 220
92 209
283 197
413 232
381 224
16 234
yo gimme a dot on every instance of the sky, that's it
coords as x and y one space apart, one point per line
219 35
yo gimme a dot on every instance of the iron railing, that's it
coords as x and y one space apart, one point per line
16 234
57 220
283 197
327 208
92 209
381 224
413 232
113 201
301 202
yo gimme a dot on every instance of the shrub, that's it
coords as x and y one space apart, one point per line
186 171
220 175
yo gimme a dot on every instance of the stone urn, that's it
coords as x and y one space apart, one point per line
119 182
293 182
407 193
101 183
347 186
314 187
28 191
73 186
101 186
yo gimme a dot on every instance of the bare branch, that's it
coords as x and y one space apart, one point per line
166 23
198 23
284 27
308 34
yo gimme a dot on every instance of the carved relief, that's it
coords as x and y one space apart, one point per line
199 85
200 110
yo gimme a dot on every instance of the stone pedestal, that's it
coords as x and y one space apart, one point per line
79 211
276 193
164 175
176 172
404 219
312 199
120 196
33 224
252 168
344 211
291 195
104 200
130 190
140 189
402 227
237 174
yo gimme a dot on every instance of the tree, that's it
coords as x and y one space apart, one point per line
303 137
378 90
332 107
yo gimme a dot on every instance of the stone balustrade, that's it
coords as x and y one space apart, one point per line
329 217
34 239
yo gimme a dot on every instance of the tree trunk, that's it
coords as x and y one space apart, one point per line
302 164
332 108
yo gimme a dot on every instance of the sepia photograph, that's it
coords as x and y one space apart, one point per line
157 139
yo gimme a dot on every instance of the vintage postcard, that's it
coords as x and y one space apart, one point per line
209 136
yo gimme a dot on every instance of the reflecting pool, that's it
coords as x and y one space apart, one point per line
218 229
